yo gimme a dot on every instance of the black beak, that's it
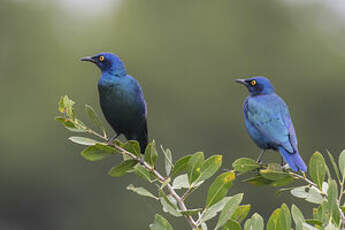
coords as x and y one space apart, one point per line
242 81
89 59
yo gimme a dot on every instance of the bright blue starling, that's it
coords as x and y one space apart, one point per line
121 99
268 122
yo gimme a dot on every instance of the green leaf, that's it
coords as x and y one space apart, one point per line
314 196
209 168
142 172
229 209
122 145
181 182
168 161
61 106
243 165
300 192
194 165
94 118
97 152
314 222
298 217
274 172
141 191
241 213
258 181
214 209
181 165
335 167
254 223
232 225
317 169
283 182
160 223
332 195
83 140
273 220
322 213
191 212
66 107
219 188
284 220
133 146
151 154
309 193
70 125
342 163
122 168
169 204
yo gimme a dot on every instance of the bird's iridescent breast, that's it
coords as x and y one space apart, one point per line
122 100
255 134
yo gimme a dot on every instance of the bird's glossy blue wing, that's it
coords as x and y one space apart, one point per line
270 115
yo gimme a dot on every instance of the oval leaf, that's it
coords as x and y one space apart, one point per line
194 165
241 213
168 161
180 165
181 182
335 167
214 209
297 216
97 152
254 223
342 163
209 168
219 188
243 165
141 191
232 225
133 146
151 154
160 223
83 140
284 220
122 168
229 209
317 169
94 117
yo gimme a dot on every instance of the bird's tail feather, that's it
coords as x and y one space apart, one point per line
294 160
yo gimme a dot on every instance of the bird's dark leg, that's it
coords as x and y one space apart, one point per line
260 156
111 140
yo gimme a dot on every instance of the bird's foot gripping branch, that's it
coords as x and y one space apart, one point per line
182 177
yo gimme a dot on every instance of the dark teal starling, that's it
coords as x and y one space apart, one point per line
121 99
268 122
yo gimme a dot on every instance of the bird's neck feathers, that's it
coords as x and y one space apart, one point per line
114 73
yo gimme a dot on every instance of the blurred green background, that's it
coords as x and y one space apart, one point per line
186 55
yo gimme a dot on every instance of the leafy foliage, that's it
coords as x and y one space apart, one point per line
188 173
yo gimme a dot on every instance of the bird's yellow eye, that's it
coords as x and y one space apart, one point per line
101 58
253 82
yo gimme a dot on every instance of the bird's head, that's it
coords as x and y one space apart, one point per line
107 63
257 85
